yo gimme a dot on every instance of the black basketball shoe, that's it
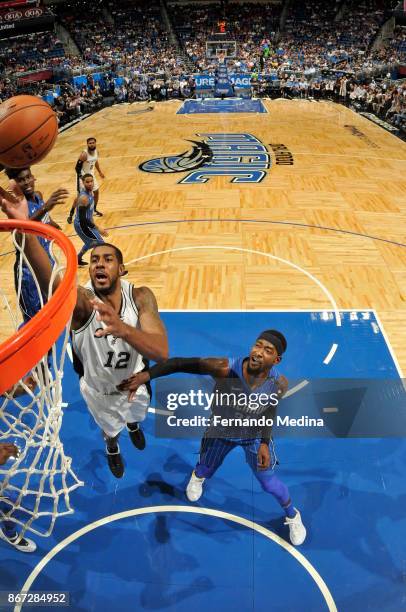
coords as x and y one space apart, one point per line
115 461
136 435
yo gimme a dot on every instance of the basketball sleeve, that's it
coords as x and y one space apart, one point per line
78 167
190 365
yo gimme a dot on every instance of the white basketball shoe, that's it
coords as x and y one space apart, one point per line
194 488
297 531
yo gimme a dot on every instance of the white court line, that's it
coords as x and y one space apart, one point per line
331 354
166 154
254 252
263 310
391 351
159 411
295 389
305 563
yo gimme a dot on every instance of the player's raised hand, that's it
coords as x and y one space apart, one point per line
13 202
57 197
133 383
7 451
114 325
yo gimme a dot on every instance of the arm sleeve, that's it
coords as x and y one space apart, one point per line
191 365
84 221
78 167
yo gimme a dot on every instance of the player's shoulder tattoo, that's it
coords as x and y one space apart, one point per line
145 299
87 292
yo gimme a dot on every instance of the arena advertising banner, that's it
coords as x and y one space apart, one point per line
26 26
36 75
16 3
206 81
23 13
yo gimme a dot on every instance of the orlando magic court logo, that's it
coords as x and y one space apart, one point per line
242 157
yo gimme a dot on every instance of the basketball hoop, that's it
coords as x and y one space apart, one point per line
36 486
29 344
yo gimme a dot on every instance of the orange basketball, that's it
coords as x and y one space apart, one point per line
28 130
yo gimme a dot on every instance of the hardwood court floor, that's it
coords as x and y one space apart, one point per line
348 175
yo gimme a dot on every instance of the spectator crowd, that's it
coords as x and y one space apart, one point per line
308 48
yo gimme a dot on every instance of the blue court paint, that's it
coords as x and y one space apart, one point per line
215 105
351 492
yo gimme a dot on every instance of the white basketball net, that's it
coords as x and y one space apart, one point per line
35 487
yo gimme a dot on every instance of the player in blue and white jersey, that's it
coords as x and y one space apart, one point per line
234 423
84 224
35 209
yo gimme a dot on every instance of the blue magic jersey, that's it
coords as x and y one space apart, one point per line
234 399
35 204
26 288
89 207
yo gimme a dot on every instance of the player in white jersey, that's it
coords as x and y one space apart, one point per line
88 163
115 328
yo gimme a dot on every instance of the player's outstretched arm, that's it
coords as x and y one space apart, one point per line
218 367
79 163
57 197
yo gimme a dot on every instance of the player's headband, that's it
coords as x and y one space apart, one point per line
279 342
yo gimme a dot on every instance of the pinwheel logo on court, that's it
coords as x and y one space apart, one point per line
242 157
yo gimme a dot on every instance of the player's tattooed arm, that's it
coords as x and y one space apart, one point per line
151 339
83 308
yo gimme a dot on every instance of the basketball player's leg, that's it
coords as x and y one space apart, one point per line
89 237
8 528
96 201
105 414
270 483
134 413
213 451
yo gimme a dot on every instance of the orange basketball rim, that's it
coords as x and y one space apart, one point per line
31 342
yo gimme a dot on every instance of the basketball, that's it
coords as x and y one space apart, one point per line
28 130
